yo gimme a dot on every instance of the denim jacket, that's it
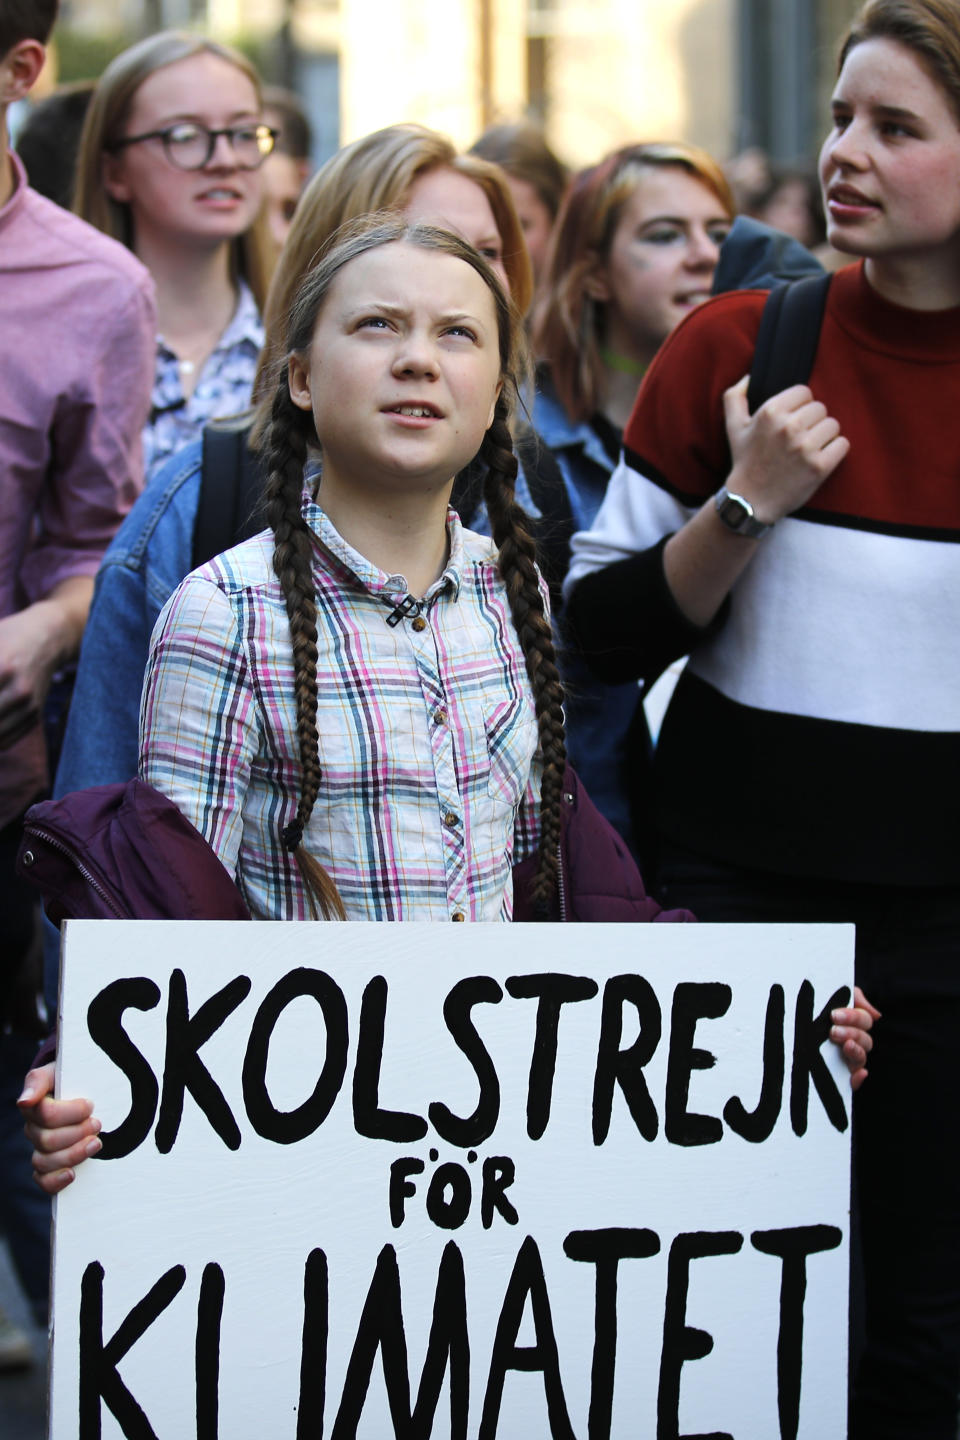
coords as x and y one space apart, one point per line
140 571
577 449
607 738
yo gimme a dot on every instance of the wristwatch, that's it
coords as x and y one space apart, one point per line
737 514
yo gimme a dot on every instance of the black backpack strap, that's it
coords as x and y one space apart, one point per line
553 529
231 489
467 495
788 337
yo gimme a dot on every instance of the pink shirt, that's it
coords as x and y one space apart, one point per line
77 354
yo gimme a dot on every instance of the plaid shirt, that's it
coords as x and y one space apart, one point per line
426 724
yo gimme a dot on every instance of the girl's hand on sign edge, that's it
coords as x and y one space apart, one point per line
62 1132
851 1032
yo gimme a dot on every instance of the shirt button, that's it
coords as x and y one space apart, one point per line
451 820
458 915
440 716
419 623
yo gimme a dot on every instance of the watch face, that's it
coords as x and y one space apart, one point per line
733 512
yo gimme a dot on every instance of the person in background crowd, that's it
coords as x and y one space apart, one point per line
634 251
77 323
792 203
48 141
287 168
170 163
749 175
806 558
536 177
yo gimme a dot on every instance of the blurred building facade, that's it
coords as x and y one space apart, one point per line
597 73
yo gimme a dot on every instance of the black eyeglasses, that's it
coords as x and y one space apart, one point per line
190 146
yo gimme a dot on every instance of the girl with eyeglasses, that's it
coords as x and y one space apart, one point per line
170 164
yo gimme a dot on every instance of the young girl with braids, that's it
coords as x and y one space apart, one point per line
341 706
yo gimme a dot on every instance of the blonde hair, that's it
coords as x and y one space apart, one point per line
568 321
253 253
375 174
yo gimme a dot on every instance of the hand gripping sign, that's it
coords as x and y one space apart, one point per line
454 1181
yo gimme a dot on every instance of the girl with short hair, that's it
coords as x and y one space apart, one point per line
634 251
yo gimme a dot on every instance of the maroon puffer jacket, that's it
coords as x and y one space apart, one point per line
599 879
123 852
126 852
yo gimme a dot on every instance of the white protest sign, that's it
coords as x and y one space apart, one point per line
454 1181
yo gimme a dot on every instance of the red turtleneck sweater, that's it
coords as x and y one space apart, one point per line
816 729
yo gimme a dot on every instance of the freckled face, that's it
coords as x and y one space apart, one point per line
890 167
207 206
403 371
662 259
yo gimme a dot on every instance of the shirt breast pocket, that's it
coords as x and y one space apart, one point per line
511 730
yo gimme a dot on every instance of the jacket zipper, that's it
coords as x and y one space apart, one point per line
87 875
561 892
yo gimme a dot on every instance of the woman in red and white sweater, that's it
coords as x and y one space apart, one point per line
808 559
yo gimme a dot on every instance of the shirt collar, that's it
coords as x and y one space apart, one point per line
390 588
244 325
555 425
